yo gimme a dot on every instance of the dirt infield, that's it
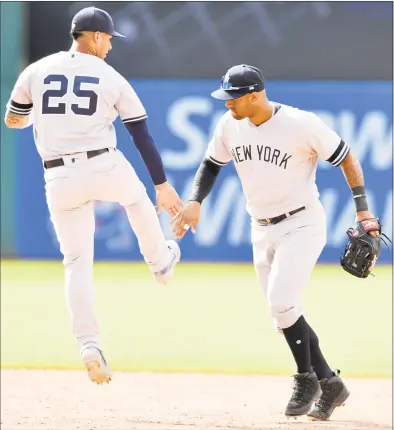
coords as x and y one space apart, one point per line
55 400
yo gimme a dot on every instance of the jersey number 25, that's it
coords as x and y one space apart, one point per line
60 109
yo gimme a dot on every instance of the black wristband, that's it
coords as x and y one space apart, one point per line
360 198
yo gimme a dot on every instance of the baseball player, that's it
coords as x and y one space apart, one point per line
275 149
72 99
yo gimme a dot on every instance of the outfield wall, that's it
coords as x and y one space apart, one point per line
182 116
11 53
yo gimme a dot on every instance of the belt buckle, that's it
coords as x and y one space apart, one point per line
264 221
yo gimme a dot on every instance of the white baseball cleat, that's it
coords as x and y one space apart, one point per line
96 365
163 276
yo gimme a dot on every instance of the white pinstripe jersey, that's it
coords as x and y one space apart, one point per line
276 161
74 99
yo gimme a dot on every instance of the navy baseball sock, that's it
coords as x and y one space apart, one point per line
297 337
318 361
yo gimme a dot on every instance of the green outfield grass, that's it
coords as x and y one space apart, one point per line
212 318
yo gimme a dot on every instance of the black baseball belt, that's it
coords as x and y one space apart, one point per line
60 162
275 220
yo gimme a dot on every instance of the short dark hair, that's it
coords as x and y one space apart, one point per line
75 34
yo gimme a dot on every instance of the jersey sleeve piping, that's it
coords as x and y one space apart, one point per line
219 163
135 119
19 108
340 153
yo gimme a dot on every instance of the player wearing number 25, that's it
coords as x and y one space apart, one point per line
72 99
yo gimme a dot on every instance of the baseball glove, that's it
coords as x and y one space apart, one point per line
363 250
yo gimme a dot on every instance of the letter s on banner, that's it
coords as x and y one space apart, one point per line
181 126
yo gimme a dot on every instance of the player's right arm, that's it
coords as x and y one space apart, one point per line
20 103
17 114
329 146
216 157
134 117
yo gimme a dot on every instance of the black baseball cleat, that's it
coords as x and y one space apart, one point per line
306 390
334 394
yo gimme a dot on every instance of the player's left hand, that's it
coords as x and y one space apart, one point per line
360 216
187 218
167 198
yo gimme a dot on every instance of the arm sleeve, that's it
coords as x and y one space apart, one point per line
204 180
326 142
148 150
21 102
128 105
217 151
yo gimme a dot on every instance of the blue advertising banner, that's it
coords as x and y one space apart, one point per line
182 116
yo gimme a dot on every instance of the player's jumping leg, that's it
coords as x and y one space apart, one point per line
74 228
161 255
123 185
